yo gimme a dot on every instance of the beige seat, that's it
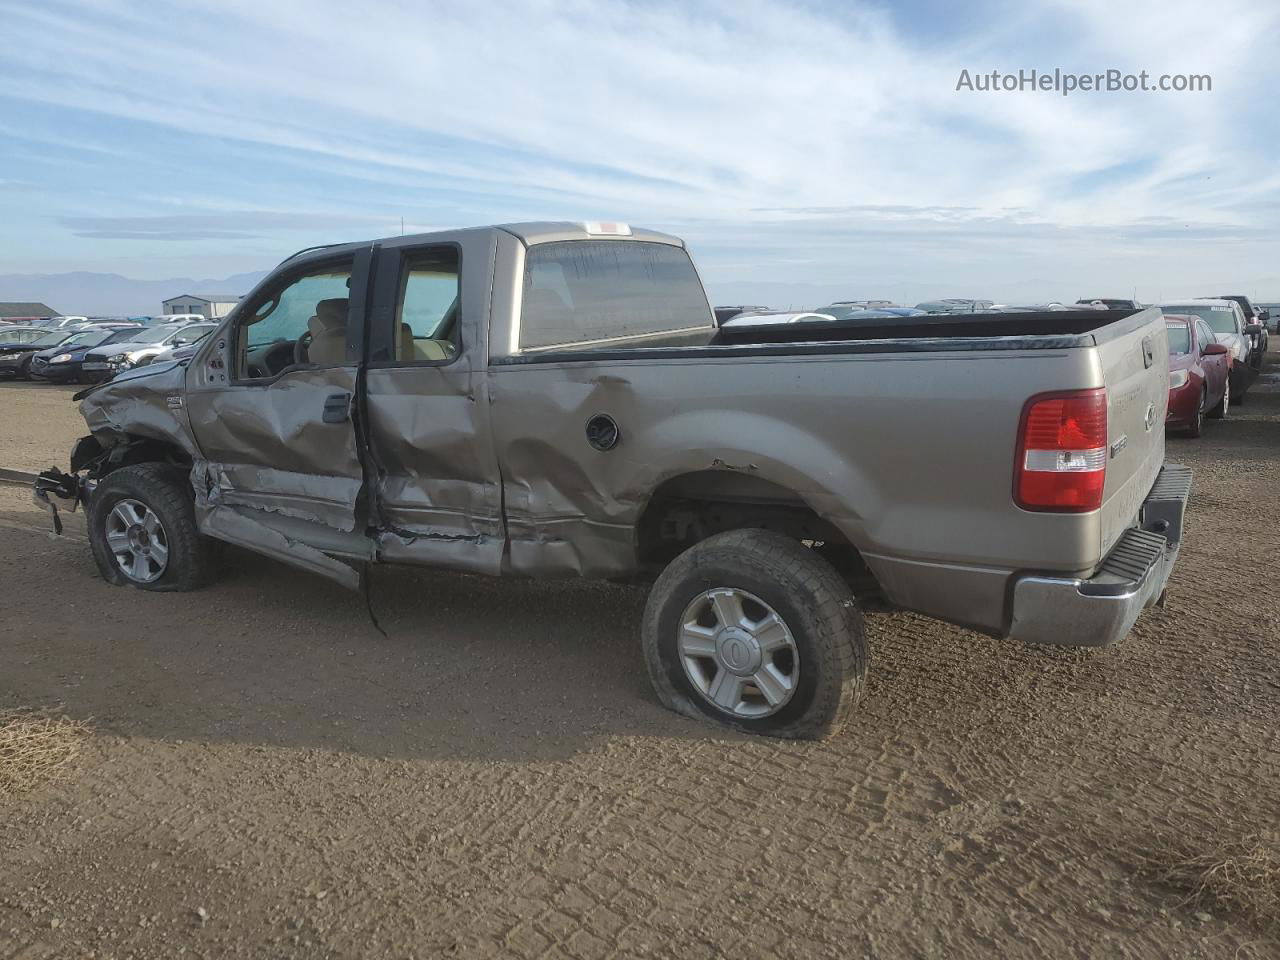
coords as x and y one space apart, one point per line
411 349
328 332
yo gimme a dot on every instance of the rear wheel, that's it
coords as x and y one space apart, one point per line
1219 412
142 530
24 369
753 630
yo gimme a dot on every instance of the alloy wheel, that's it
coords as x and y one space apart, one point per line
137 540
738 652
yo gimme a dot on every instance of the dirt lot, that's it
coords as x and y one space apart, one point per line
496 778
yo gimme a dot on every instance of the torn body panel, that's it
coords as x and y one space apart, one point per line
270 446
572 508
245 528
146 403
438 490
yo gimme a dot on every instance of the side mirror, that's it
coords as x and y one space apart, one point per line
1216 350
1253 329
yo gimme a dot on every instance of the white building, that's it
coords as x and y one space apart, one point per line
213 305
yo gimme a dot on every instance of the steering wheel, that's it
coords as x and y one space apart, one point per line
302 349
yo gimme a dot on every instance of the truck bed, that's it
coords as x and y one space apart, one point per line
1071 324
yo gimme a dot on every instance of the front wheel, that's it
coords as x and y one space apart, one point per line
142 530
753 630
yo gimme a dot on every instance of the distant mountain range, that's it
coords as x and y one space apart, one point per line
109 294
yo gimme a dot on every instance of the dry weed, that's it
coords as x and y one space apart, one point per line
35 747
1241 877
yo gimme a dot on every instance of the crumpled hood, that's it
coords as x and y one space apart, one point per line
147 402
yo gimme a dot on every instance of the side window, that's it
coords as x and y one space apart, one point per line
426 319
303 321
1205 334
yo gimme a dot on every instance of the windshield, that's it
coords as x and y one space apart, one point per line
89 338
50 339
1179 338
151 334
1220 319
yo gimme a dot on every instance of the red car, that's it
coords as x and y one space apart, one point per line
1199 384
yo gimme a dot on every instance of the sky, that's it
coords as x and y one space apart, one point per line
807 151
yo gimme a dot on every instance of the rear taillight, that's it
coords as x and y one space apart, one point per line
1062 452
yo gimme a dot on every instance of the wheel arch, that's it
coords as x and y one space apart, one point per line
692 506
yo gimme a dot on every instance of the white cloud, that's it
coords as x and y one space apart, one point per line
747 116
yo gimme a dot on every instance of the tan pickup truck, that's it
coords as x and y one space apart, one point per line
557 400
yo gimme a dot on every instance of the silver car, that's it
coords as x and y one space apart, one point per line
105 362
1230 328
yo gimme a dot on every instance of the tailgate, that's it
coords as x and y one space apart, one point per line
1134 353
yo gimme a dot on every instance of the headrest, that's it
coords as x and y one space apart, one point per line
331 315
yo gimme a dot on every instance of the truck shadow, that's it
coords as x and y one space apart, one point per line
469 667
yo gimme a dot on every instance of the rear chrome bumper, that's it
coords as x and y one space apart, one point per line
1100 610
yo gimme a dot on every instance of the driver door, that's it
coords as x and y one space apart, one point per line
270 401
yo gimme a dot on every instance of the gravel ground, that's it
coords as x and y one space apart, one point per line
38 425
266 775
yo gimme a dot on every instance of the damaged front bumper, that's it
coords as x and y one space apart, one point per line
64 486
1100 610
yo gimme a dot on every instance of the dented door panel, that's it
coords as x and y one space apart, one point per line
439 499
903 472
268 446
282 445
439 493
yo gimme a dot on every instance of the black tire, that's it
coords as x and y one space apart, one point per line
1219 412
816 605
1240 386
191 561
24 369
1197 425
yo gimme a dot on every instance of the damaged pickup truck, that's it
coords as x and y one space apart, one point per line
557 400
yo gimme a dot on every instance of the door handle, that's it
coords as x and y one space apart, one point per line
337 408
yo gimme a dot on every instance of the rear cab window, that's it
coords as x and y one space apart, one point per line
610 295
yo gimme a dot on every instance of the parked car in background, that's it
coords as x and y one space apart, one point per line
904 311
1053 305
1270 314
104 362
727 313
18 344
178 354
954 305
61 363
1254 316
774 317
180 318
844 311
865 304
1199 374
55 323
178 351
1226 320
1111 303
